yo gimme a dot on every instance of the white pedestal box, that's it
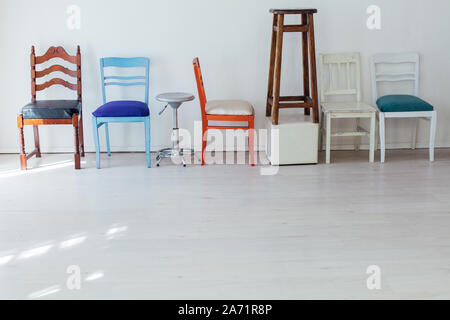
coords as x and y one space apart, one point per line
295 140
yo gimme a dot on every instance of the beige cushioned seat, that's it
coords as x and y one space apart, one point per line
229 108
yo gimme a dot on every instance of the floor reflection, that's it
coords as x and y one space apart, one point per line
115 232
41 168
72 242
95 276
6 259
46 292
35 252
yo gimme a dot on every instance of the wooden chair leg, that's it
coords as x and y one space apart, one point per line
433 125
328 146
82 135
382 137
414 133
148 142
108 144
306 91
77 142
358 139
321 131
23 156
312 53
272 67
278 63
373 129
96 141
204 145
36 142
251 140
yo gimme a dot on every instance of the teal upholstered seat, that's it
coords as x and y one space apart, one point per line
403 103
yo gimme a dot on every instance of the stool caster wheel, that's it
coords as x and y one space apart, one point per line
184 165
157 165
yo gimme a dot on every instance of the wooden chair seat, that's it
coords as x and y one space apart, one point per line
51 109
124 108
293 11
403 103
229 108
347 107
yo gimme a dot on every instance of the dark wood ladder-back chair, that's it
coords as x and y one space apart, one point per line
53 112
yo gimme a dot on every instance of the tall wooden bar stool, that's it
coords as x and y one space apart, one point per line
309 100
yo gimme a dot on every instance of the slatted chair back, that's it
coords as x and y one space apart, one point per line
52 53
200 87
125 81
394 76
344 75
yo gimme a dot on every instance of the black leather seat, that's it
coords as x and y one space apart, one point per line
51 109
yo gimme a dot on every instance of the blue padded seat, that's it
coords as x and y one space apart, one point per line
51 109
403 103
122 109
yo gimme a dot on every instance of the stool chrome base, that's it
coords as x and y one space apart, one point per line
174 154
175 100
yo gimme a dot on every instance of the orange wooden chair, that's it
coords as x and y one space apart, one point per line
53 112
224 110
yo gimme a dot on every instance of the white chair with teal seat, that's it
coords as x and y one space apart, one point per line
394 68
125 110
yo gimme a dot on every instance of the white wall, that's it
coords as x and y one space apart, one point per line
231 38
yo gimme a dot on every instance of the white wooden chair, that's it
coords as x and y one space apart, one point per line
400 106
343 81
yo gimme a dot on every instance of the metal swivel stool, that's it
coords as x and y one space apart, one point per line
309 100
174 100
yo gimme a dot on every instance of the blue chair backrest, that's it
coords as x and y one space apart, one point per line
127 81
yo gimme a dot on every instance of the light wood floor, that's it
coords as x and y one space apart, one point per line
309 232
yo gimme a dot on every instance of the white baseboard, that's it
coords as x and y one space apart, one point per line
392 146
343 147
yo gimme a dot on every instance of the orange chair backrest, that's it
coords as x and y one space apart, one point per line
200 86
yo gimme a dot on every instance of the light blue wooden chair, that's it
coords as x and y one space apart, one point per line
123 111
